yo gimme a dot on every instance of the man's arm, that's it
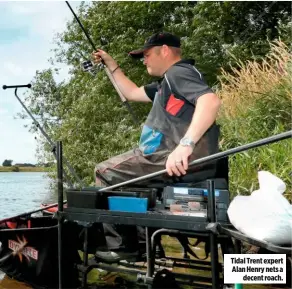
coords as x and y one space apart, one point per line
128 88
205 114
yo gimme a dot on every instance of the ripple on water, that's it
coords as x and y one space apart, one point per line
23 192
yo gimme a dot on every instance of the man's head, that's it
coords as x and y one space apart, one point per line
160 51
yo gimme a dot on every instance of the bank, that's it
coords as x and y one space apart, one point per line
23 169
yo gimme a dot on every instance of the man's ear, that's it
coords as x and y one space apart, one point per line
165 50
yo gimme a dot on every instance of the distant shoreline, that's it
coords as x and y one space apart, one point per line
23 169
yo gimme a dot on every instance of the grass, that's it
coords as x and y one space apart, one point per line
257 103
172 248
23 169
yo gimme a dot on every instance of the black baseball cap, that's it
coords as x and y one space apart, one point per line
157 39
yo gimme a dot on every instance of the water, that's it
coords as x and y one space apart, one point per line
23 192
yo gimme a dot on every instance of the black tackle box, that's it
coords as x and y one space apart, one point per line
92 198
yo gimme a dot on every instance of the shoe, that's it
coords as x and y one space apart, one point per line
111 257
108 257
128 256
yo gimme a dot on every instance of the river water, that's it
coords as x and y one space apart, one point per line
23 192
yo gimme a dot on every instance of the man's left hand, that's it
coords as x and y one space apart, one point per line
177 162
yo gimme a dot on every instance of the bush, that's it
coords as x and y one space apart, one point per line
15 169
257 104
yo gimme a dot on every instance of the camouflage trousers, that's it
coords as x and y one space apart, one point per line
128 166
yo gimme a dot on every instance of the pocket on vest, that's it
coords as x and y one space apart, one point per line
150 140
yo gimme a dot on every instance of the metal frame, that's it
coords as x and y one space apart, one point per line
187 225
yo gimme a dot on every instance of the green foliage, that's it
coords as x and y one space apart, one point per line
223 32
86 113
45 99
24 165
15 169
7 163
257 103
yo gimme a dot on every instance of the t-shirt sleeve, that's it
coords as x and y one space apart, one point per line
151 90
188 82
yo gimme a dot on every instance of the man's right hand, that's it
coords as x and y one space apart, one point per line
101 56
128 88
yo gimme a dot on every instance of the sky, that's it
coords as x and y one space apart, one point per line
27 30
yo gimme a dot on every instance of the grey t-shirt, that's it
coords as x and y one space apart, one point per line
185 82
174 101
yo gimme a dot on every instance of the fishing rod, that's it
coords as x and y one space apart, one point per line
85 64
107 71
207 159
53 146
30 212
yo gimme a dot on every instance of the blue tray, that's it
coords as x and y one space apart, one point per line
128 204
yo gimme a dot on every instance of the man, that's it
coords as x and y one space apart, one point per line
180 126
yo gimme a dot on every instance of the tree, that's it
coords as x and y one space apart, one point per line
86 113
7 163
222 32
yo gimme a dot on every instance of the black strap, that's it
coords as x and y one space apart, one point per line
186 245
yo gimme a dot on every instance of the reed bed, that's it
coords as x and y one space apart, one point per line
257 100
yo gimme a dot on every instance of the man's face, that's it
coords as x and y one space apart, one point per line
153 60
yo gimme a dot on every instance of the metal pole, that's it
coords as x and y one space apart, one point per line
51 143
85 257
207 159
150 253
213 238
60 208
60 174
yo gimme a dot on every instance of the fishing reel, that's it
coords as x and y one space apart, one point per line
91 67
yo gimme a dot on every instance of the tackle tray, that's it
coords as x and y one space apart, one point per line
92 198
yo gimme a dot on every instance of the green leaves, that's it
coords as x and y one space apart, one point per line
225 31
86 113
